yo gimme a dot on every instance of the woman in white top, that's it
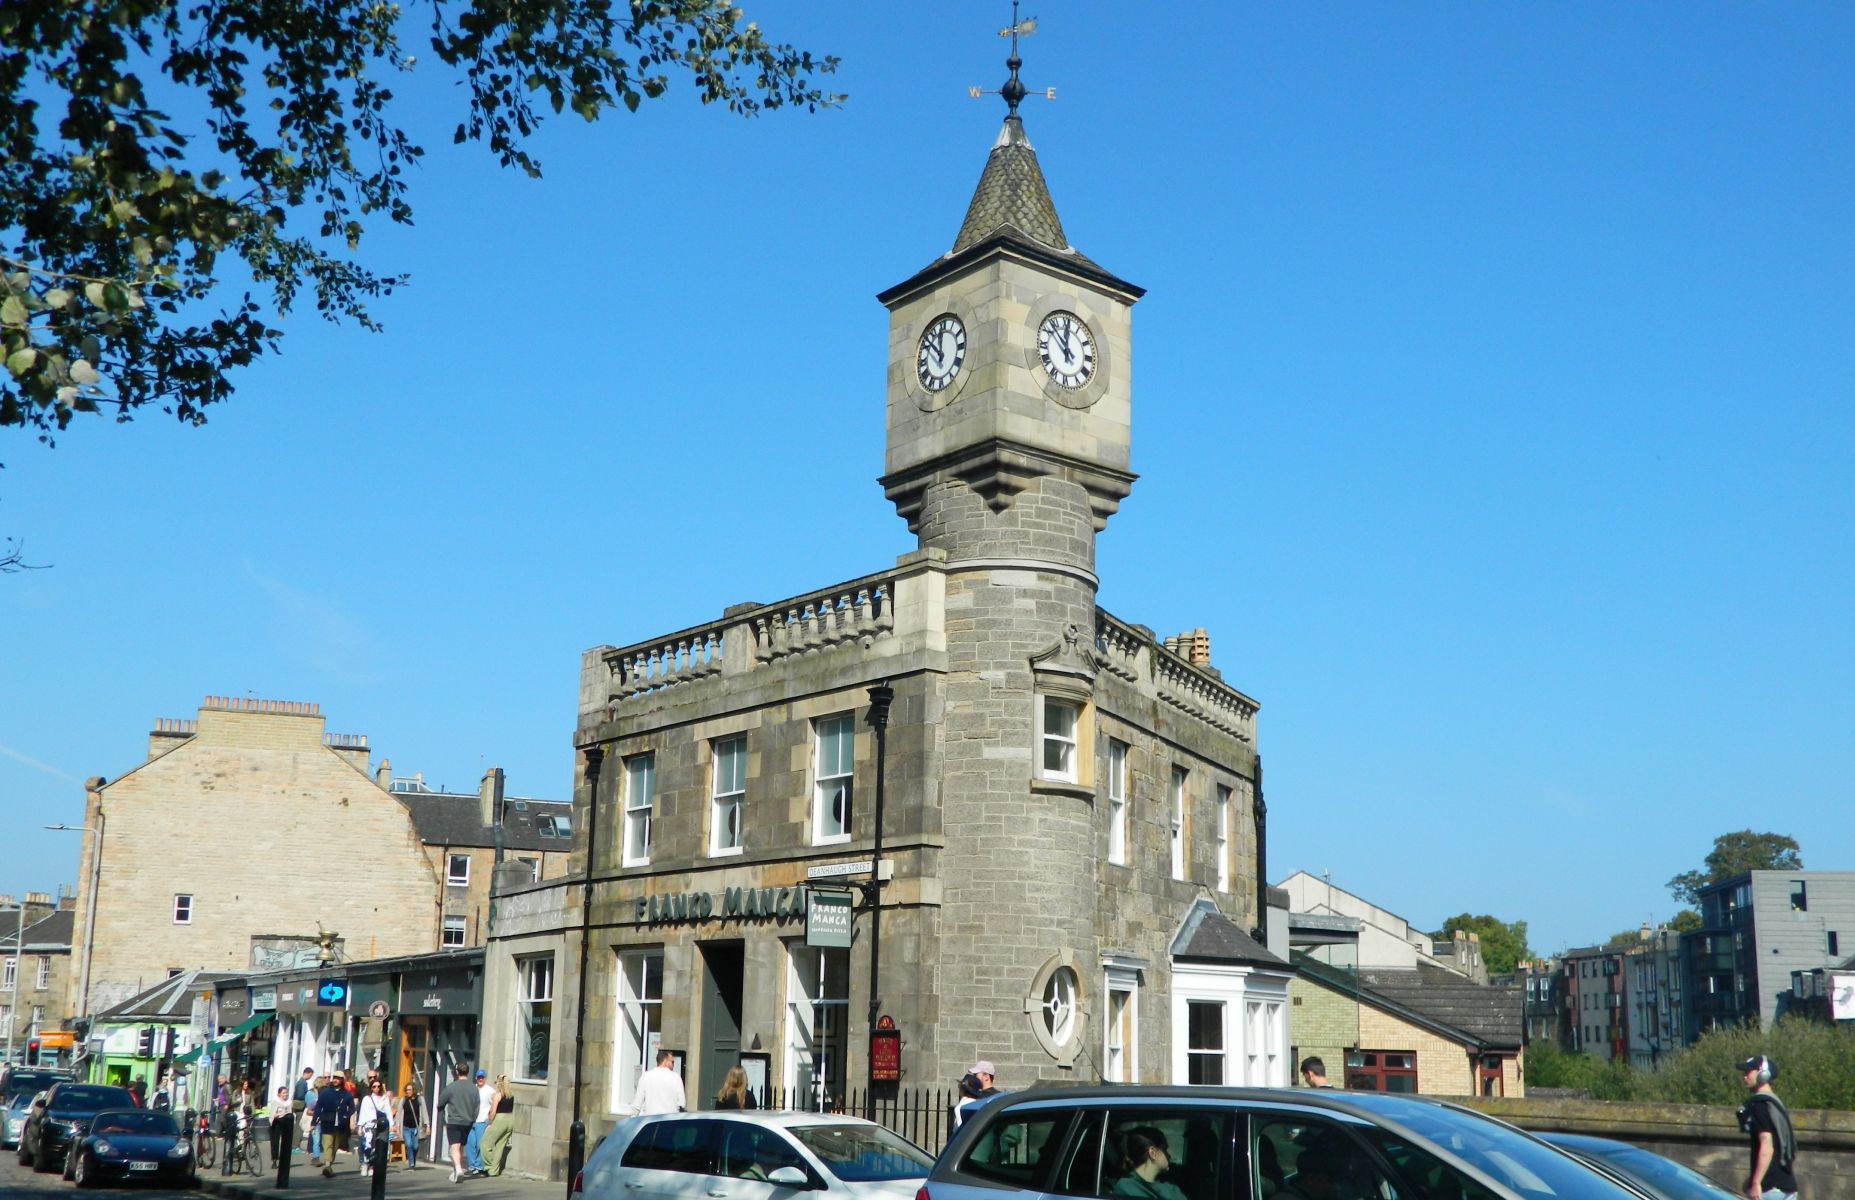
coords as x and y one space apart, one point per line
376 1113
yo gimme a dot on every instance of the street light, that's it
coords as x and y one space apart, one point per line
881 696
90 899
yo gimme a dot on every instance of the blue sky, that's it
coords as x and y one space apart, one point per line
1492 402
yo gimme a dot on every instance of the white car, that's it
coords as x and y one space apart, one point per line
752 1156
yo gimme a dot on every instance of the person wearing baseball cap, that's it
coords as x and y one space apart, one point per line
976 1088
1774 1142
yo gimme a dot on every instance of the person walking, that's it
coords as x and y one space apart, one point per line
1774 1142
457 1108
502 1127
411 1123
1314 1072
473 1147
312 1092
976 1087
334 1116
374 1120
300 1091
660 1089
283 1125
734 1093
138 1088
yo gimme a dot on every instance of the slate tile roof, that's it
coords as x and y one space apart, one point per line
1476 1015
1209 936
52 930
454 819
170 1000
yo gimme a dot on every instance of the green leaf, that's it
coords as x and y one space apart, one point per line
20 361
13 311
94 293
57 298
82 372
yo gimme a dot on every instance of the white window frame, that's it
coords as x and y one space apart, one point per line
44 978
1117 801
1219 1053
1224 795
183 908
728 796
1056 740
640 1023
452 876
452 925
833 787
534 868
1121 1026
1255 1027
534 986
640 799
812 1013
10 975
1175 838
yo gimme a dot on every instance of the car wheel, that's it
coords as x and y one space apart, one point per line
24 1158
70 1164
42 1161
80 1172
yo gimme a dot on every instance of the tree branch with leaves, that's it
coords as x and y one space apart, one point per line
129 235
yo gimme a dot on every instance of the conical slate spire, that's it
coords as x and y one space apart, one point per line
1012 192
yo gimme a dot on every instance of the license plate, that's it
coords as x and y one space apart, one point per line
143 1166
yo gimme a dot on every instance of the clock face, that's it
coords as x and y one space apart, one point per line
943 350
1067 349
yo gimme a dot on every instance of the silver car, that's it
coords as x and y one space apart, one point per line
1207 1143
752 1156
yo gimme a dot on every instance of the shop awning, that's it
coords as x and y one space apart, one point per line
245 1026
181 1060
228 1036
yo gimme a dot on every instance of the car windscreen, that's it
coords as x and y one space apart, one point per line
135 1121
89 1099
1511 1158
863 1153
1663 1175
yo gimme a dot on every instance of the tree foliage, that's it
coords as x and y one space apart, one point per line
1735 854
1503 943
1685 921
147 146
1816 1068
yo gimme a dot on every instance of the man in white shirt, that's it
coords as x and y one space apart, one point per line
660 1090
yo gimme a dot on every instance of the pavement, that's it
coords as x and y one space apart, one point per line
429 1182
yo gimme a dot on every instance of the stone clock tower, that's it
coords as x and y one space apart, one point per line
1008 444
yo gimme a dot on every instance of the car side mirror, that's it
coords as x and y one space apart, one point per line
789 1177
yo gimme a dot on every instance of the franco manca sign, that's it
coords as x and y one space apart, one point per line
734 904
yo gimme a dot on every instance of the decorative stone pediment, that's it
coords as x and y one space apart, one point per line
1067 667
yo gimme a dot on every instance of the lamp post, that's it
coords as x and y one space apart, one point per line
881 697
576 1133
94 787
19 966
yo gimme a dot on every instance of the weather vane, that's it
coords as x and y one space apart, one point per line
1014 90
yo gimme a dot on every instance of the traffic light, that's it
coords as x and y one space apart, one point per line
32 1053
145 1042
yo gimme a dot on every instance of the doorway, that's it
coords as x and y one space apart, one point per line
722 969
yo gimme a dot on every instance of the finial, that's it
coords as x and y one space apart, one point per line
1014 90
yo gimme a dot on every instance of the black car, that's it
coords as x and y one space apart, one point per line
64 1116
31 1080
132 1143
1662 1178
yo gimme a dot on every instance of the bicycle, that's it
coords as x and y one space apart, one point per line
242 1151
205 1144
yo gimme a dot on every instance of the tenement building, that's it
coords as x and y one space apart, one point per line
1063 807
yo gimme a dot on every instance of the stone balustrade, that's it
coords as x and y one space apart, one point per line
860 613
1133 653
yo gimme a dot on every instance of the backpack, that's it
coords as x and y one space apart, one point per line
1785 1153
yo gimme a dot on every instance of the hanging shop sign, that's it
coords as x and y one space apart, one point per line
264 999
234 1005
332 993
734 904
454 989
830 918
886 1051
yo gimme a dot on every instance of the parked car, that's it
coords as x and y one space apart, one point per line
62 1116
132 1143
1662 1178
1203 1143
752 1156
30 1080
17 1106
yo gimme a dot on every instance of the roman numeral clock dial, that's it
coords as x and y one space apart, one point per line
942 352
1067 349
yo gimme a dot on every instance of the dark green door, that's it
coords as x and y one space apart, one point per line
721 1017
